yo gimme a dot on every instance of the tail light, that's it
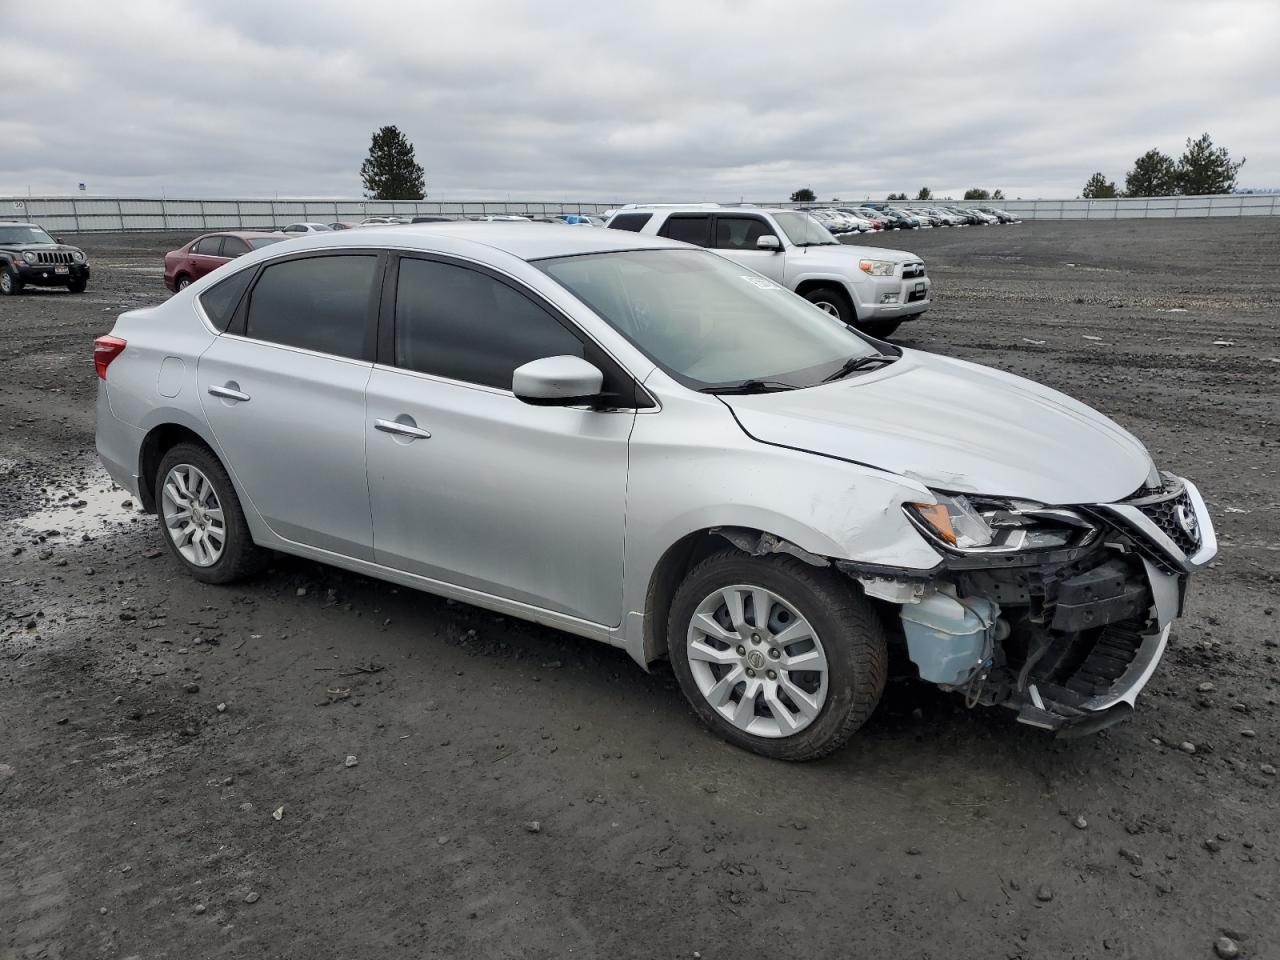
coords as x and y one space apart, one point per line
106 349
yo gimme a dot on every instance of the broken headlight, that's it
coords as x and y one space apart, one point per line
971 524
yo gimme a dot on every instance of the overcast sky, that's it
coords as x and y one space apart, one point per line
606 100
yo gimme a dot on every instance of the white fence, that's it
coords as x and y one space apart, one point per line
117 214
100 214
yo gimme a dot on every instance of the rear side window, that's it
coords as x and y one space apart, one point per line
234 247
689 228
220 300
740 233
465 325
208 247
318 303
630 221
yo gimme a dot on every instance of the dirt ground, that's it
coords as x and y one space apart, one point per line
174 773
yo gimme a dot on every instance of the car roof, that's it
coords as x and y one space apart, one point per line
242 234
705 208
526 240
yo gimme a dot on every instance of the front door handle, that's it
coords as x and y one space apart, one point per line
231 391
403 429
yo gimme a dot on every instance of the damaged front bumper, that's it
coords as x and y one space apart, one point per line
1067 638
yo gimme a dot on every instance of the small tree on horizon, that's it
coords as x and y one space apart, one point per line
896 196
391 172
924 194
1205 169
977 193
1099 188
803 195
998 195
1154 174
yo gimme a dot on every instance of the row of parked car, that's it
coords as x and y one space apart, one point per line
867 218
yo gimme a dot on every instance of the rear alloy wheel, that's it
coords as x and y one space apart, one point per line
9 284
183 282
775 655
201 518
834 302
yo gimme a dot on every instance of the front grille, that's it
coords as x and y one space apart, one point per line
912 271
46 257
1169 515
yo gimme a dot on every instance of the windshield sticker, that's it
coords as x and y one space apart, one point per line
762 283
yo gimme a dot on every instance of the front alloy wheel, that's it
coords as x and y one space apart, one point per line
757 661
775 655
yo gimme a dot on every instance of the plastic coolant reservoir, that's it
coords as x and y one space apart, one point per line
947 638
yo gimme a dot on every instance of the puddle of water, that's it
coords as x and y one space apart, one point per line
93 506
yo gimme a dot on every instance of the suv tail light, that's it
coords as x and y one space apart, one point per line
106 349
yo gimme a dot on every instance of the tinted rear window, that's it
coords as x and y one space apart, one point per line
690 229
630 221
319 303
220 300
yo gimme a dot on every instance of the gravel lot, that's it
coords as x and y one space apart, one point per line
174 772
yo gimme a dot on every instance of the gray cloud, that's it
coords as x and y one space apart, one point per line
606 100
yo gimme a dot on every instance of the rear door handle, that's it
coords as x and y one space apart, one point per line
231 391
410 429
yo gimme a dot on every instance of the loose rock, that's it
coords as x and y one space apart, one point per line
351 761
1080 823
1044 894
1226 948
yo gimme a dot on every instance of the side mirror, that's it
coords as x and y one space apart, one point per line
557 382
768 242
57 239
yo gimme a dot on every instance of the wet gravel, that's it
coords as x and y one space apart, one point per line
176 774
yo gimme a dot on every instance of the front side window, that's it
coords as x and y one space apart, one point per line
803 230
689 228
465 325
317 303
707 321
740 233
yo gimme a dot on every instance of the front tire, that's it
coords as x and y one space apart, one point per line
10 285
78 286
880 329
200 517
776 656
834 302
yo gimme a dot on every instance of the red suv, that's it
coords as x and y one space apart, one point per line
204 254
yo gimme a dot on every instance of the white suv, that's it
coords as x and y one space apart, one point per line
871 288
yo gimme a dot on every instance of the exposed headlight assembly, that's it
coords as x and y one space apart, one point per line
989 525
77 256
877 268
29 256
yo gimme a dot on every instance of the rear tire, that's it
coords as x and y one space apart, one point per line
834 302
10 285
803 697
182 282
200 517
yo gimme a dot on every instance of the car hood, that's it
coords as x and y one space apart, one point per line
46 247
958 427
846 256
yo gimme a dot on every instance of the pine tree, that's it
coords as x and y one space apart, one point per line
1153 175
1206 169
924 194
1099 187
391 172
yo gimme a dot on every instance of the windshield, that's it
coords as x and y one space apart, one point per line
259 242
24 235
707 321
802 230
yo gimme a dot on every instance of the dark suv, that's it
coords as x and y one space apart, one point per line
28 255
